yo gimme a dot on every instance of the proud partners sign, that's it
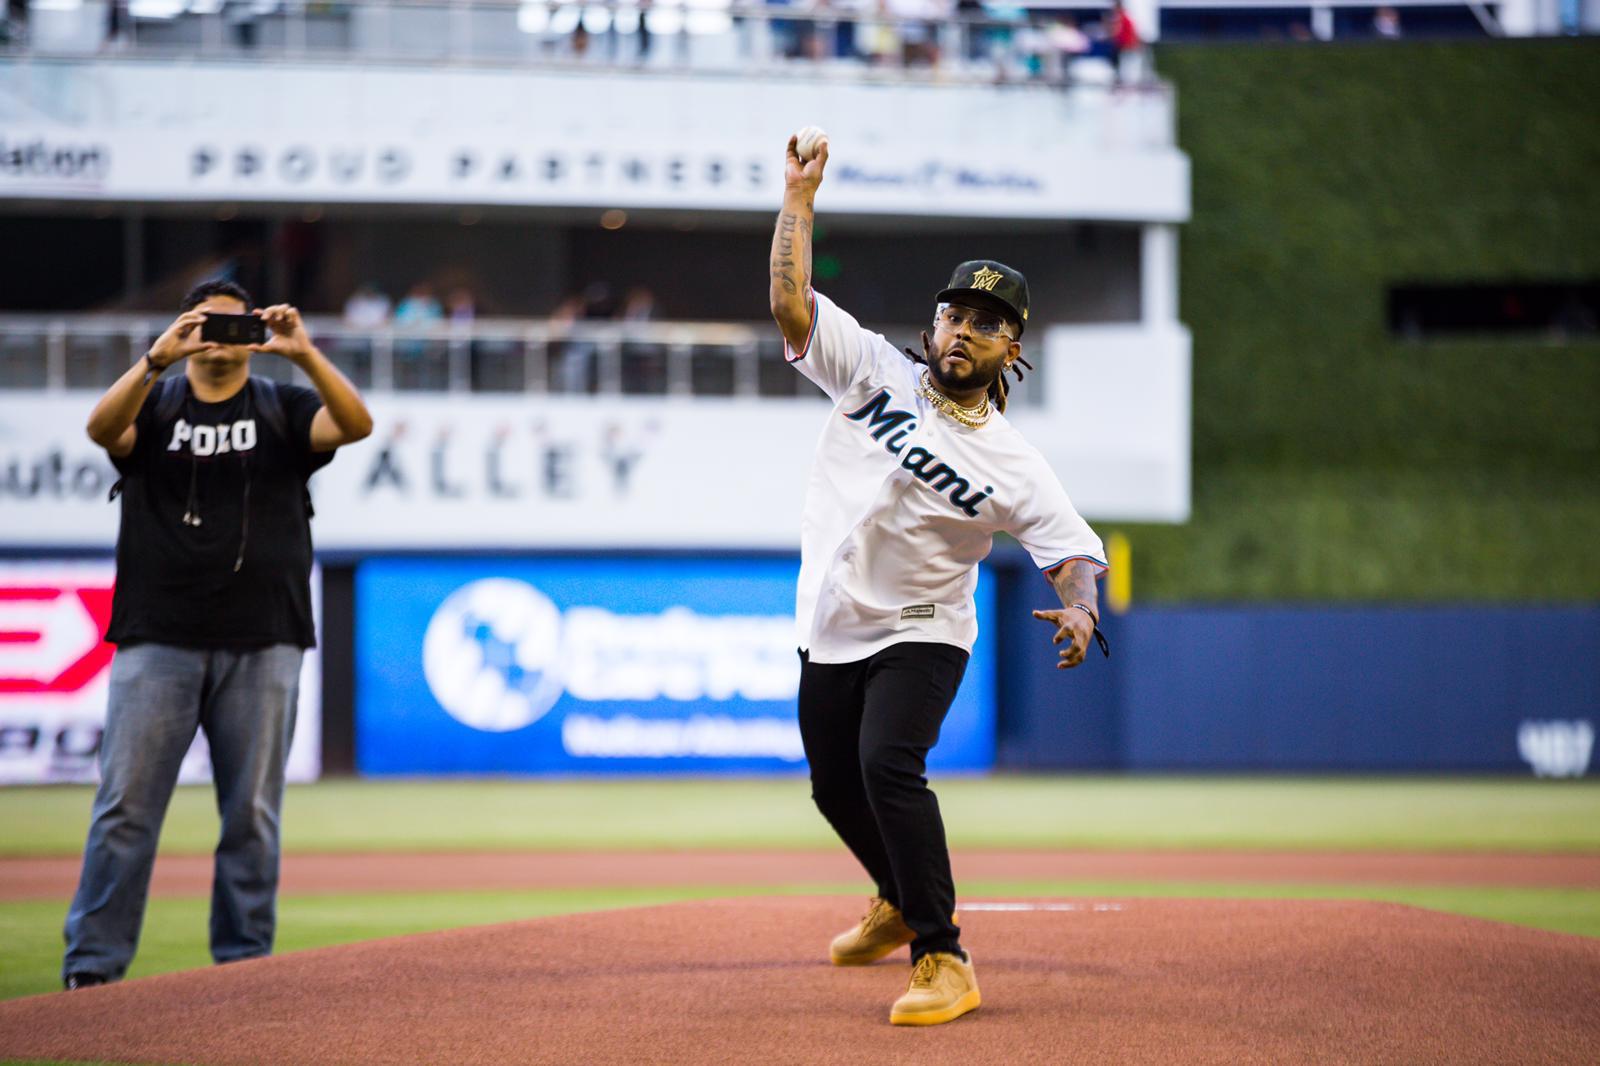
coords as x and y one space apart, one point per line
360 134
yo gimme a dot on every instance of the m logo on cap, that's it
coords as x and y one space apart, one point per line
986 279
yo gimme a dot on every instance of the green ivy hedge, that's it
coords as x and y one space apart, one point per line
1333 461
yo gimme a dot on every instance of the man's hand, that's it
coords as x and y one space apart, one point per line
181 339
1071 625
289 338
798 175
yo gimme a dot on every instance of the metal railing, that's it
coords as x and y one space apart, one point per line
667 360
676 359
704 35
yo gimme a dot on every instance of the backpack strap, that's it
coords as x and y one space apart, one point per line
169 395
267 402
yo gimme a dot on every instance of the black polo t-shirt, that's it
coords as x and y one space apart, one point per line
177 582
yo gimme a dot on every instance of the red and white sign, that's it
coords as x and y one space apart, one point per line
50 636
55 672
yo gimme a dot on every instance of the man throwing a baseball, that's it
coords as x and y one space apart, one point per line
915 472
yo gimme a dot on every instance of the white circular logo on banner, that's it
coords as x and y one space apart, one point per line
492 654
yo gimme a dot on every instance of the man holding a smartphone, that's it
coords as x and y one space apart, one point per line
211 614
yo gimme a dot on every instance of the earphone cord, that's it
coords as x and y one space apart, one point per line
244 521
191 507
244 504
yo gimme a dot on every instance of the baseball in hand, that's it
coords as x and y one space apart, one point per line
807 141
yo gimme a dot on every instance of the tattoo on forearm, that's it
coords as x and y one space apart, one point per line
793 230
1075 583
805 233
783 253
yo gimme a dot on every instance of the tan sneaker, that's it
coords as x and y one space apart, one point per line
880 931
943 988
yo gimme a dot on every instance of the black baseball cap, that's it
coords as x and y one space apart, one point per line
986 283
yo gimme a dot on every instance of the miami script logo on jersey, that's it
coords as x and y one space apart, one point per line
891 427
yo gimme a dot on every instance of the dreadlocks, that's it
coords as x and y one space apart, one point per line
999 389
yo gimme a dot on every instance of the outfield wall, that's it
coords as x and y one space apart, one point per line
1199 688
1315 688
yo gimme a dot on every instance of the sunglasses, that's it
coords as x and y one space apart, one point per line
986 324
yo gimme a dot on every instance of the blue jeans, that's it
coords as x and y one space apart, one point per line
160 694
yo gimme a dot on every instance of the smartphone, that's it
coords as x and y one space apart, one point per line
233 329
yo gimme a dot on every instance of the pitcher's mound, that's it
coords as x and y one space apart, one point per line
747 981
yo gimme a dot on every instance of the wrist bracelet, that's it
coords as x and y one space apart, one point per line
151 371
1099 637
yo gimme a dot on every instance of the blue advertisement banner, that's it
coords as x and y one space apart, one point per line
598 666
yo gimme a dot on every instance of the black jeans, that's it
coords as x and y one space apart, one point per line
867 728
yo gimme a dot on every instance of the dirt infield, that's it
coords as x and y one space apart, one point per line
55 878
731 981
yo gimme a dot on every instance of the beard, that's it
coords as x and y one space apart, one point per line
967 376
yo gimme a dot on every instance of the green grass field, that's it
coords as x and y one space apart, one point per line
1280 814
1431 814
1035 812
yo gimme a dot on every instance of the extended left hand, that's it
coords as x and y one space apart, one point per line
1074 626
289 338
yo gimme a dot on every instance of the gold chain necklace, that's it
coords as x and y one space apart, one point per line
971 417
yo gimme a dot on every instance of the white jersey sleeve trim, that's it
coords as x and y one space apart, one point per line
810 337
1100 566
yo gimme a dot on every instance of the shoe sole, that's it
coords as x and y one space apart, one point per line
968 1002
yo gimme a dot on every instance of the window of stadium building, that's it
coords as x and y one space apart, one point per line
1554 309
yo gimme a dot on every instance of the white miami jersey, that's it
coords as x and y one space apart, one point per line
903 502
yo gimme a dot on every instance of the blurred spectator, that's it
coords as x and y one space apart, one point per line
919 21
787 34
1122 36
420 364
974 39
644 366
419 308
844 31
567 311
575 360
638 306
14 27
879 39
367 308
812 39
645 39
460 307
1067 42
1386 23
118 23
242 15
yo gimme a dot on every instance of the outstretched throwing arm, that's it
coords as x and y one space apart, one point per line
791 245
